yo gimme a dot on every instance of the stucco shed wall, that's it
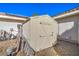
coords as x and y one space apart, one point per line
41 32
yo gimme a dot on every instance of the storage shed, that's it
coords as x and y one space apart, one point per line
41 32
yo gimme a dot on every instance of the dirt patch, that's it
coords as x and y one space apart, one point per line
64 48
47 52
21 53
5 44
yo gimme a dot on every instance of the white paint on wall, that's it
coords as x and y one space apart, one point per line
65 26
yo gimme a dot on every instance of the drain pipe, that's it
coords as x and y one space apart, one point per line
23 44
20 36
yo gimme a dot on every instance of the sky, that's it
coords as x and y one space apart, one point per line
28 9
33 8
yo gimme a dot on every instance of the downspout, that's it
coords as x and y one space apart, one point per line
20 38
25 45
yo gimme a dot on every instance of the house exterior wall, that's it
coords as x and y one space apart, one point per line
78 29
41 32
68 28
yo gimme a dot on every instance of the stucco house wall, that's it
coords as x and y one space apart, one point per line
68 28
41 32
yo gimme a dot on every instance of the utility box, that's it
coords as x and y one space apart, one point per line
41 32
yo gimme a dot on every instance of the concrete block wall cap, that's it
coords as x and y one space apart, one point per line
12 17
15 15
66 14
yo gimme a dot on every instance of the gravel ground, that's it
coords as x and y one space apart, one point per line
62 48
65 48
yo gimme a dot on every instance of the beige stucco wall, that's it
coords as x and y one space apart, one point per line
68 28
41 32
